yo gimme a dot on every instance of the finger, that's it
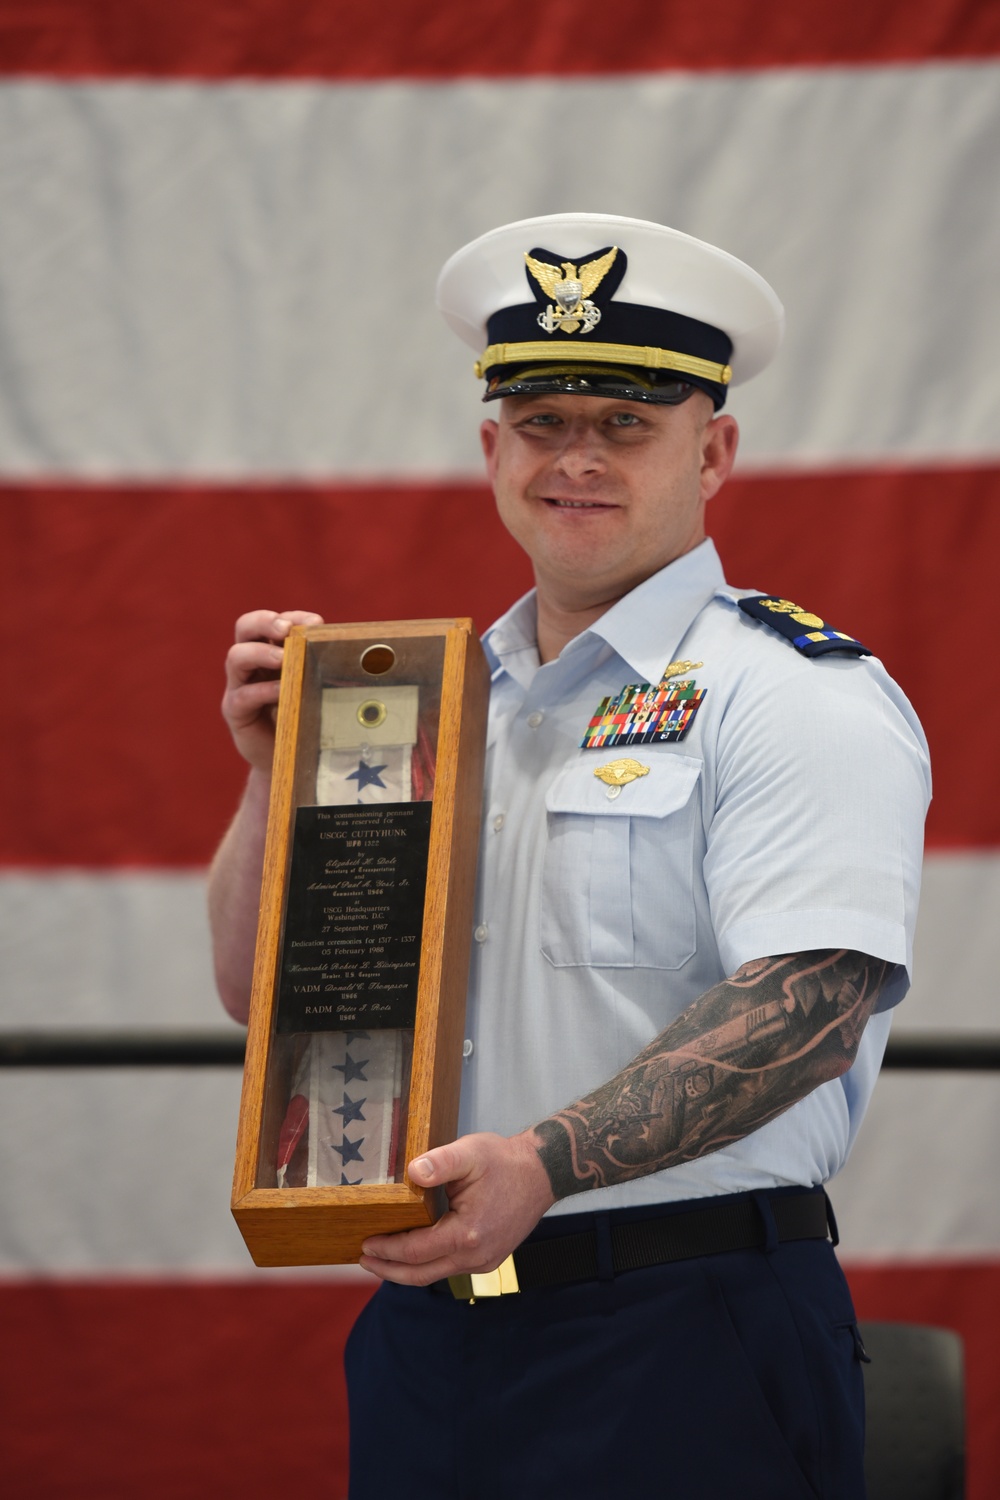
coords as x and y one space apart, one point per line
401 1269
402 1275
241 706
299 617
271 624
432 1268
283 622
450 1237
257 625
250 657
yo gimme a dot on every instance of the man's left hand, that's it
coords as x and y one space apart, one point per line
497 1190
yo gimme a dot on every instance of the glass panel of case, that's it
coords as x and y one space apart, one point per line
339 1070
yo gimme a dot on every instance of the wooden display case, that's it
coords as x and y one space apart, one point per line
356 1023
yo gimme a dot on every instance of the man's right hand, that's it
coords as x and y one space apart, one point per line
253 667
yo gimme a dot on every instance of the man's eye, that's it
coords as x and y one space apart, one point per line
626 419
543 419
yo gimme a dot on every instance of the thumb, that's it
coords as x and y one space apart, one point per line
443 1164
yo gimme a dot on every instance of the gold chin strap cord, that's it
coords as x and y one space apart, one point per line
606 354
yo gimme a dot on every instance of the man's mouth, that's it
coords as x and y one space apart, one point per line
577 504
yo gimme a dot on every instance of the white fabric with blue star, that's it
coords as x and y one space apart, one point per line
380 773
351 1080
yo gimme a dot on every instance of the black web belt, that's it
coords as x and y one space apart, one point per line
636 1244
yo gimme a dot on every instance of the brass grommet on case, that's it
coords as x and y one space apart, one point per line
371 713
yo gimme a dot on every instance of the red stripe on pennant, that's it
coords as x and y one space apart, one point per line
346 39
119 608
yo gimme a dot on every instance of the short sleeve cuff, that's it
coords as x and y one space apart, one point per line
802 931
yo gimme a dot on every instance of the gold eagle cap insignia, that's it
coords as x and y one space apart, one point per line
570 288
590 276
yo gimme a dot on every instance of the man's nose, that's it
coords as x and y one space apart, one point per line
581 452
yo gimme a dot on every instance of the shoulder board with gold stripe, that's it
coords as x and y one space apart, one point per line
807 632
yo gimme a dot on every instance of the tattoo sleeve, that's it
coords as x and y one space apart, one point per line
744 1052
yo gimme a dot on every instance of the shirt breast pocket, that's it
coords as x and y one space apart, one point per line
618 881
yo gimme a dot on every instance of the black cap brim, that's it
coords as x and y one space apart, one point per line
608 381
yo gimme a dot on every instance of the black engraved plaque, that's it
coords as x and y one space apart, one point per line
354 917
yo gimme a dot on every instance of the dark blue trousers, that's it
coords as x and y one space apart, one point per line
733 1375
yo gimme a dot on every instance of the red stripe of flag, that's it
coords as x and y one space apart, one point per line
119 608
153 1389
349 39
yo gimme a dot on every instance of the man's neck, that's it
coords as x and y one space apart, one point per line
563 613
559 623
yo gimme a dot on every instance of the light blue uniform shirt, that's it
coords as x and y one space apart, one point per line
789 818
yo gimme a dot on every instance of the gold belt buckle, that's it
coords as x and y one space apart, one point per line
498 1283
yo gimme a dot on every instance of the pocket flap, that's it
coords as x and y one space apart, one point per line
665 788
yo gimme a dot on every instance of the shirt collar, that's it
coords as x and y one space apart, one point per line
644 628
512 642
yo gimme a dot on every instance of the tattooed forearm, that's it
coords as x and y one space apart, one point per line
740 1055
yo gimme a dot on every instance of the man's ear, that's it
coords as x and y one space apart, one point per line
719 441
489 436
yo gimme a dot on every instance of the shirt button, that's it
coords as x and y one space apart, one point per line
482 932
535 719
499 821
468 1047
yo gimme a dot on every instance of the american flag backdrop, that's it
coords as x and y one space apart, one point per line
223 385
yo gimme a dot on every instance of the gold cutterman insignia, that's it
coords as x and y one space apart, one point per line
618 773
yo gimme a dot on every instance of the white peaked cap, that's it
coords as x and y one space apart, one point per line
667 272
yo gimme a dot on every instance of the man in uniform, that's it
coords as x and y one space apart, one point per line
699 871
